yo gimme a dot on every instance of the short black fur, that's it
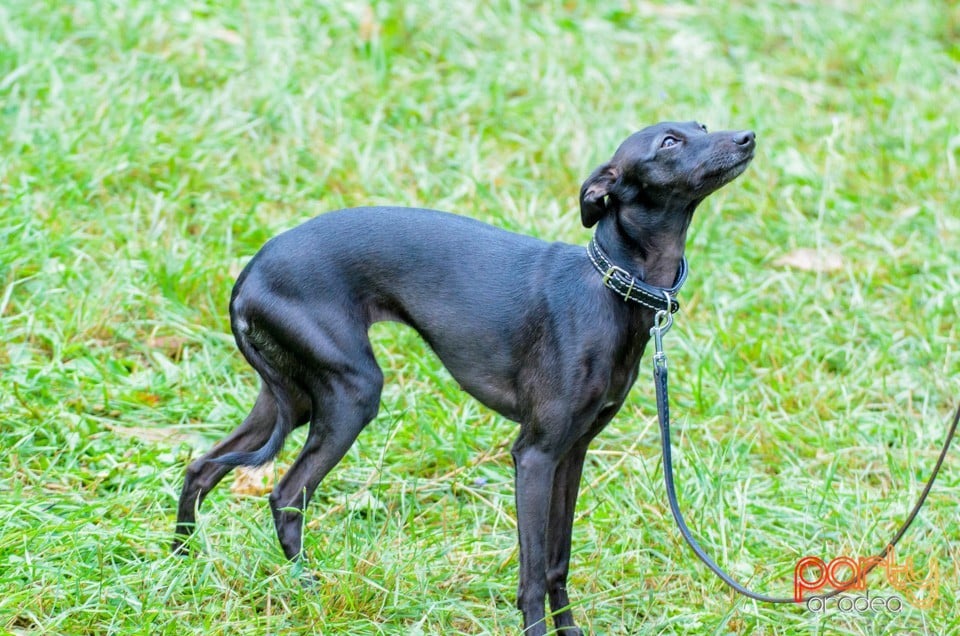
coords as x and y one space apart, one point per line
526 327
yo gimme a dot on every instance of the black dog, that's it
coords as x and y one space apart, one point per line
547 334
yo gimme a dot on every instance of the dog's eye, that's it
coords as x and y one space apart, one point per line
669 142
703 127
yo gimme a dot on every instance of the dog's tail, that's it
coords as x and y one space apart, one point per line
265 453
279 386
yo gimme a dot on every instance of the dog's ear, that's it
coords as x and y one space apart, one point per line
595 194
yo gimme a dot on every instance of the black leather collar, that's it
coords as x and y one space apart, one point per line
631 288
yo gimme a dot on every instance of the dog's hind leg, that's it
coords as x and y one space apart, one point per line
344 402
203 474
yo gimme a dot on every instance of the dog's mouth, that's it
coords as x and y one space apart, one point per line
737 169
721 176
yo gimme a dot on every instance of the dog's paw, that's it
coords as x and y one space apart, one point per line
309 580
180 548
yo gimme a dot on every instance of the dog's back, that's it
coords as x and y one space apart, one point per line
474 292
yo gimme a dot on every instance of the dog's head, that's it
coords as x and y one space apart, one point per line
666 165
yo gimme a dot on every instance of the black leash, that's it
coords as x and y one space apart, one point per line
662 323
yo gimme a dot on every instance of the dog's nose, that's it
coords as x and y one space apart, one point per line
744 138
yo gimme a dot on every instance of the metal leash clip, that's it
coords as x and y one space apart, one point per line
661 325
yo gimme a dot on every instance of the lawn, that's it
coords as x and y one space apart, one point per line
148 149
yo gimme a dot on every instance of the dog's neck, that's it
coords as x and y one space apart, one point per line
651 250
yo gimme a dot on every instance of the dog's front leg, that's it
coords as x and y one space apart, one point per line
534 483
566 484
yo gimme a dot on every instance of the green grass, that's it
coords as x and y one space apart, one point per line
149 148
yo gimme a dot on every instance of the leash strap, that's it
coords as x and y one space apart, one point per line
662 322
